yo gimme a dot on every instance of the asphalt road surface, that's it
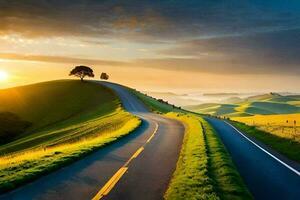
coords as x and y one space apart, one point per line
267 174
138 166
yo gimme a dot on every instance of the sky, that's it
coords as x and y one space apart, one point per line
155 45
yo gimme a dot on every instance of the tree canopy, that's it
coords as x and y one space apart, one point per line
82 71
104 76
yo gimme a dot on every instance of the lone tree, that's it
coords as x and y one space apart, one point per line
104 76
82 71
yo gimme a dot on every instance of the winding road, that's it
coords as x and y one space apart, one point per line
138 166
267 174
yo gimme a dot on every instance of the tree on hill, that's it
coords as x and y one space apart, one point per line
104 76
82 71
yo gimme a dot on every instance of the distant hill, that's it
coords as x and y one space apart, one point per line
266 104
234 100
220 94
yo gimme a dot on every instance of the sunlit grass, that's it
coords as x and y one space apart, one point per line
242 108
280 125
295 103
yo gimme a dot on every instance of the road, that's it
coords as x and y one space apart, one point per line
138 166
265 173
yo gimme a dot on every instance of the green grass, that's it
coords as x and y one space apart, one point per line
276 108
204 169
226 109
286 146
75 119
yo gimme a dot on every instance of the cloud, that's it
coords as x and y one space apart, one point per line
268 53
60 59
213 36
105 19
147 20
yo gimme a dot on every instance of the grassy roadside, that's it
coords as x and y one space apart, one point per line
228 183
286 146
19 168
204 169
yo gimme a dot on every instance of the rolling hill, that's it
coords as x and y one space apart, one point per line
45 104
266 104
54 109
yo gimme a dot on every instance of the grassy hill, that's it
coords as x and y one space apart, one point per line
45 104
54 105
266 104
68 119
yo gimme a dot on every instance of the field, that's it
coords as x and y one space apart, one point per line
286 126
268 104
204 169
86 116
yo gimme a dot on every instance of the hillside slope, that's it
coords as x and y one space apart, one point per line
54 109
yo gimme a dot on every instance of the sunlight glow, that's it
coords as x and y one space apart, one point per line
3 76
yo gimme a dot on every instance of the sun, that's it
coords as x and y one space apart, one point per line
3 75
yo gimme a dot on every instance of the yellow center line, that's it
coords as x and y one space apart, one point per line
156 128
111 183
150 139
135 155
138 152
118 175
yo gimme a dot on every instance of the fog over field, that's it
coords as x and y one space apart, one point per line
196 98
